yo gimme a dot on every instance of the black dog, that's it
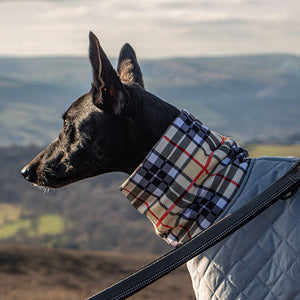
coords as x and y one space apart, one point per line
110 128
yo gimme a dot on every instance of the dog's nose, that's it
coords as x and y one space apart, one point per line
25 172
29 172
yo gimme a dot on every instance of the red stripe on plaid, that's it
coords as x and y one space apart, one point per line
225 178
188 188
148 208
188 232
185 152
197 162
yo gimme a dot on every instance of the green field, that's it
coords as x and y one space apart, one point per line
12 224
9 213
273 150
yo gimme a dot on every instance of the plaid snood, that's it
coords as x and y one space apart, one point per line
187 179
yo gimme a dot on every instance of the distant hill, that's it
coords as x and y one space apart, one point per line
253 98
34 273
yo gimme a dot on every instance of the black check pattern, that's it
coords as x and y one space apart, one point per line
187 179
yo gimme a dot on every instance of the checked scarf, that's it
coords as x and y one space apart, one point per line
187 179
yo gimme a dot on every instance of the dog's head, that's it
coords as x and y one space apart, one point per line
110 128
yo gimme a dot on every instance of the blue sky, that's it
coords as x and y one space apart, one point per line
156 28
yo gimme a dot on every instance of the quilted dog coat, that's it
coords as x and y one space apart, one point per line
262 259
194 176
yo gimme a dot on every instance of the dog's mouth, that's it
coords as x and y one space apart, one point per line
54 168
48 178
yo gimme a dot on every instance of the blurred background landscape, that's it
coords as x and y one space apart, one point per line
252 98
234 64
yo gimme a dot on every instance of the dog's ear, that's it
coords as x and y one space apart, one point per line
107 89
128 67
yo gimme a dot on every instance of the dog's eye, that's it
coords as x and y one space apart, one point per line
66 123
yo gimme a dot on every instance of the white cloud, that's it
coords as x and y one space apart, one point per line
155 28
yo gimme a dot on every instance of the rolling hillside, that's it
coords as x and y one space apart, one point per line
253 98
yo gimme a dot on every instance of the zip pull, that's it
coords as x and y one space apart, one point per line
289 194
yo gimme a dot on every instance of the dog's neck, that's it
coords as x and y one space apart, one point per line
148 118
149 111
187 179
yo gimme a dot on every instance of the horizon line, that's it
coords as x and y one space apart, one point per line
45 56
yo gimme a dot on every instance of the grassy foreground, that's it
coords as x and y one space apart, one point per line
40 273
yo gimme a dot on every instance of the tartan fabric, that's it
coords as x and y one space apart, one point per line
187 179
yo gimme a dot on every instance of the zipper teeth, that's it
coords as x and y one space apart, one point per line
128 292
